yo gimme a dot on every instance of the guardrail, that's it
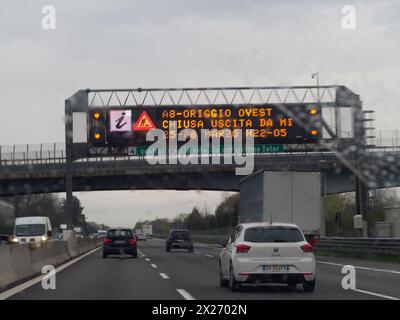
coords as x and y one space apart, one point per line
386 246
378 246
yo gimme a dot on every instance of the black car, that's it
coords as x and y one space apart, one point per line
120 242
179 239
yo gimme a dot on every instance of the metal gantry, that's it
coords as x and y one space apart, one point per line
211 96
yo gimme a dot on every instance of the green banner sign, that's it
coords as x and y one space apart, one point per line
258 148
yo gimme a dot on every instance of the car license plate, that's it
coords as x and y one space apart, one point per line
275 268
119 242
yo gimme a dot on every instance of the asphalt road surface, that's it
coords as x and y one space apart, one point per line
159 275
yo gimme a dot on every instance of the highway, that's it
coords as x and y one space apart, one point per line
179 275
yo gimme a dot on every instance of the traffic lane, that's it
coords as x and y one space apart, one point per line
198 274
377 277
114 278
375 281
374 276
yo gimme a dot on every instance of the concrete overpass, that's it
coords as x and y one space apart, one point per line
380 170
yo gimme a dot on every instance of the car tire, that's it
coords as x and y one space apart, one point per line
168 249
104 255
309 286
222 282
134 255
233 284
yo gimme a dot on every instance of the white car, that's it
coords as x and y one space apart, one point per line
267 253
141 236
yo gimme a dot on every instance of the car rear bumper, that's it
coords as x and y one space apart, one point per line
119 250
274 277
250 271
180 245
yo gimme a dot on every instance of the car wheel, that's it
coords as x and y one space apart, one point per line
168 249
134 255
309 286
233 284
104 255
222 282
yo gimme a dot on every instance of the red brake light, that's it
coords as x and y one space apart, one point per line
107 241
242 248
307 247
132 241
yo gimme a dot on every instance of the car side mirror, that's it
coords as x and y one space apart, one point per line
49 233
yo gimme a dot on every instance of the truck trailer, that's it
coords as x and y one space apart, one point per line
283 196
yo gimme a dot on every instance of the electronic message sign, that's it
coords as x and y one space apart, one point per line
267 124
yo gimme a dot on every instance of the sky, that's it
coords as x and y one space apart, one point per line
185 43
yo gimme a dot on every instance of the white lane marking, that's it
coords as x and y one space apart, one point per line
143 255
185 294
209 255
197 252
361 268
376 294
147 259
30 283
163 275
154 266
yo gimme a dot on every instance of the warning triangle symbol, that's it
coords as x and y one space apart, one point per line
144 123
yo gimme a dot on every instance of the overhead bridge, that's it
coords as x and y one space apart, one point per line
24 176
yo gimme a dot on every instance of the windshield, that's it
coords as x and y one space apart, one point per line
119 234
22 230
180 234
190 149
273 234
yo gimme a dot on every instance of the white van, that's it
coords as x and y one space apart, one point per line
32 229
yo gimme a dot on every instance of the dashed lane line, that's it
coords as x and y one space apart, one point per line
186 295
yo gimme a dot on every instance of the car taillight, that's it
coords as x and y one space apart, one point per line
307 247
132 241
242 248
107 241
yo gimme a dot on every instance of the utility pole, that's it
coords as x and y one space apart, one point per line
68 161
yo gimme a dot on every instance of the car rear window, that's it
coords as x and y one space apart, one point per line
119 233
273 234
180 234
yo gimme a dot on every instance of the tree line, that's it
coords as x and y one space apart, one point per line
226 214
54 207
